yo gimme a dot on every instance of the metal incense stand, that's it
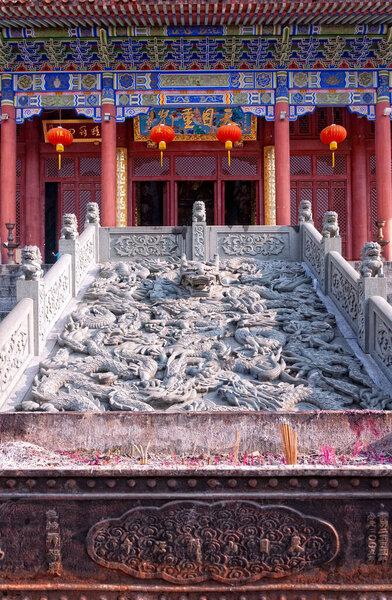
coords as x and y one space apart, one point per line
10 244
380 235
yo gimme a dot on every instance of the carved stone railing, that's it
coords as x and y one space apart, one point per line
55 294
50 296
16 345
199 242
380 338
342 288
312 251
84 253
262 242
133 243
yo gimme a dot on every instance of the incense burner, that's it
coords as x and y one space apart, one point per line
213 531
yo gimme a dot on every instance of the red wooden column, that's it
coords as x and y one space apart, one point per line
282 151
8 161
34 212
359 206
383 160
108 153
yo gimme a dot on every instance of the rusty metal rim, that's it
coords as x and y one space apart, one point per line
55 586
261 472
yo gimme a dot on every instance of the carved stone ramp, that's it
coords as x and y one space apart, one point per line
190 533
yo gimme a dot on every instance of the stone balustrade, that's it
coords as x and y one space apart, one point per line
343 287
361 298
380 338
16 345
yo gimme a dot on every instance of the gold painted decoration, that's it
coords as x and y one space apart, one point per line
195 124
122 187
269 186
82 130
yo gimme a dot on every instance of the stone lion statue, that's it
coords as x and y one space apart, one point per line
305 212
69 230
330 225
199 212
31 263
92 214
371 263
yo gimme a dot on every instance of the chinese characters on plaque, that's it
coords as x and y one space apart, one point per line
84 130
195 123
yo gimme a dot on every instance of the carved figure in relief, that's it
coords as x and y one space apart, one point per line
231 542
199 277
69 230
92 214
330 225
305 212
31 263
199 212
371 262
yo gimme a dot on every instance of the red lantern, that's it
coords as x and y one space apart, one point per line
228 134
162 135
333 135
59 137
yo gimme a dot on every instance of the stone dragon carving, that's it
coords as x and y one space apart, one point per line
257 337
371 262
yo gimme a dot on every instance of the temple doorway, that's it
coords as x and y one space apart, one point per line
240 202
149 202
189 192
51 222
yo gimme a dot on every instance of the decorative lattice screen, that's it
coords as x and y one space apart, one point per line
322 198
372 165
69 199
240 165
18 168
304 124
339 204
300 164
90 166
52 170
324 165
373 208
150 166
18 218
85 196
18 207
293 206
322 119
198 166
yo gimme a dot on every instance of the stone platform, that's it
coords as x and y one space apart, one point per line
181 533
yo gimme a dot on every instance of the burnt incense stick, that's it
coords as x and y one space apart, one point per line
289 439
236 447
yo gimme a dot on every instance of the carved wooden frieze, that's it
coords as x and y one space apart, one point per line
185 542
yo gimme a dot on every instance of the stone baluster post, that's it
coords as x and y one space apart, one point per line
68 244
199 231
30 285
371 283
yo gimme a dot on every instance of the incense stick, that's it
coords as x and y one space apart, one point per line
289 439
236 447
